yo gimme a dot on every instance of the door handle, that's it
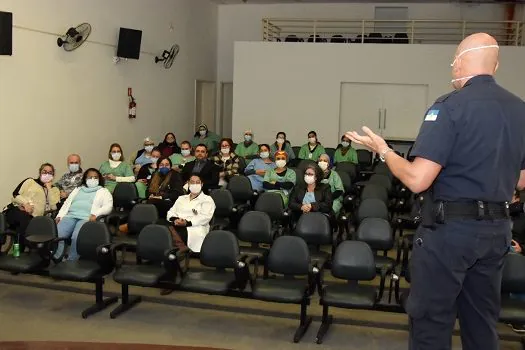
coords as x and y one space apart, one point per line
384 119
379 118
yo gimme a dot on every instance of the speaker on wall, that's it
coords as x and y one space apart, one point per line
129 43
6 33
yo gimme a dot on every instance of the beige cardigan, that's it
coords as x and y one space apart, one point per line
33 193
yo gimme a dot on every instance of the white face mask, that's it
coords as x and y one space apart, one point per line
148 148
280 141
309 179
323 165
202 132
225 150
185 152
195 188
460 54
92 183
280 163
312 140
247 138
74 168
345 144
264 155
45 178
116 156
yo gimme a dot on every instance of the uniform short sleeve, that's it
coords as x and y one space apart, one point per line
436 136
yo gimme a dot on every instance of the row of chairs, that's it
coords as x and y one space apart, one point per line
376 38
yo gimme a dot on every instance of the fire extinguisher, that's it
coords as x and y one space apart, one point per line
132 106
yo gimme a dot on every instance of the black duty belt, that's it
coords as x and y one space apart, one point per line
478 210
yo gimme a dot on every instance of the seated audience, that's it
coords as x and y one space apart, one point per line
345 152
145 173
190 217
202 166
332 179
32 197
227 161
206 137
114 169
282 144
85 203
169 145
143 156
258 167
185 156
247 148
314 196
72 179
281 179
165 187
313 149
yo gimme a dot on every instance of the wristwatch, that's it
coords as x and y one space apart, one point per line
383 154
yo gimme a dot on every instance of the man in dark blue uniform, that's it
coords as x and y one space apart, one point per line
469 158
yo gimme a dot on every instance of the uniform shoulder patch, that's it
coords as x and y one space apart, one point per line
432 115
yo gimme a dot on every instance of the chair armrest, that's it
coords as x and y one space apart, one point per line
172 261
106 257
242 271
102 218
381 285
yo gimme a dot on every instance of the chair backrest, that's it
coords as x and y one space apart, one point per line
330 151
92 235
291 38
364 157
270 203
346 180
296 150
382 169
347 167
303 164
241 188
354 261
373 190
140 216
255 227
513 280
382 180
42 226
299 177
314 228
220 249
223 202
372 208
3 224
338 38
153 242
289 255
125 195
376 232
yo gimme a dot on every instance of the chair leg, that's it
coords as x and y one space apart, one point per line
523 343
305 323
127 302
100 303
325 324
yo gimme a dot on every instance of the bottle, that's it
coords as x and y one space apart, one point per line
16 250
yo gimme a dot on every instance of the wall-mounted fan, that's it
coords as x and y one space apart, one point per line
74 37
168 56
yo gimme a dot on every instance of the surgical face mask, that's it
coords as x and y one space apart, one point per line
280 140
154 160
309 179
195 188
185 152
323 165
164 170
74 168
148 148
45 178
472 49
91 183
247 138
264 155
345 144
280 163
225 150
116 155
312 140
202 132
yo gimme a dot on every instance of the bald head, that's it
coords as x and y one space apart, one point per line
477 54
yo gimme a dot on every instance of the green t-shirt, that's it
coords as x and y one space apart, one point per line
178 159
306 153
122 170
336 184
242 151
289 176
349 156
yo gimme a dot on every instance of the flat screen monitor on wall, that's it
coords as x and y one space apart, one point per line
129 43
6 33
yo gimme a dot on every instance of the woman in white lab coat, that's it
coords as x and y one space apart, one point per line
191 215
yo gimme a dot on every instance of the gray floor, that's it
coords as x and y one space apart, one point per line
29 313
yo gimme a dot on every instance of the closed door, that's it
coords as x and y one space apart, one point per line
226 108
360 105
205 103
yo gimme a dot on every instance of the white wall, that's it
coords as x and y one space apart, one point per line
295 87
244 22
53 102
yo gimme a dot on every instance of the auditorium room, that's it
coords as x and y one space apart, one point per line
262 174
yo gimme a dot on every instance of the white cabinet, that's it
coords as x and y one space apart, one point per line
395 111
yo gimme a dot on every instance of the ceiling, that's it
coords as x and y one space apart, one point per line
231 2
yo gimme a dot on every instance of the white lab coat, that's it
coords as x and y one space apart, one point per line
102 203
199 211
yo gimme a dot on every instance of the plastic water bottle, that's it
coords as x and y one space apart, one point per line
16 250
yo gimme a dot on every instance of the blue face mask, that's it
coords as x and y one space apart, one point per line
164 171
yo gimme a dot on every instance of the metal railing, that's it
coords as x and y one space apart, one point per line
507 33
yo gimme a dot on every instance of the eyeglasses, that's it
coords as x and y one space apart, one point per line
309 174
47 173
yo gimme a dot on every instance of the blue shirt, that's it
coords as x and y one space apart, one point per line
82 203
257 180
143 160
477 135
309 197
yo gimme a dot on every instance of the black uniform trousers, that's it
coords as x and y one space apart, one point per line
456 271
